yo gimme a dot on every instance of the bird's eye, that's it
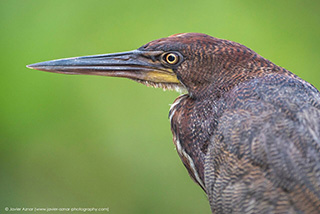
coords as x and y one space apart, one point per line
170 58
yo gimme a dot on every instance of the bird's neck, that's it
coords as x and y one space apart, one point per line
225 78
192 123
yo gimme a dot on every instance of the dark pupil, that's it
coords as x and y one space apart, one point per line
171 58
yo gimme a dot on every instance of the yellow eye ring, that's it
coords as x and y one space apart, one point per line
172 58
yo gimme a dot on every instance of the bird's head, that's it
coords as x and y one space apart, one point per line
196 62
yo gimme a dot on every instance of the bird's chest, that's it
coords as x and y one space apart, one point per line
192 125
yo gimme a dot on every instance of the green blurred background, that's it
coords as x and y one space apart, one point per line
89 141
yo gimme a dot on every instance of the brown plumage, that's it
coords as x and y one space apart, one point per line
247 130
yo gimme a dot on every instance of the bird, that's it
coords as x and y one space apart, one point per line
246 129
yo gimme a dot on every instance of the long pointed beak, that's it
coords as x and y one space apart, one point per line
136 65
